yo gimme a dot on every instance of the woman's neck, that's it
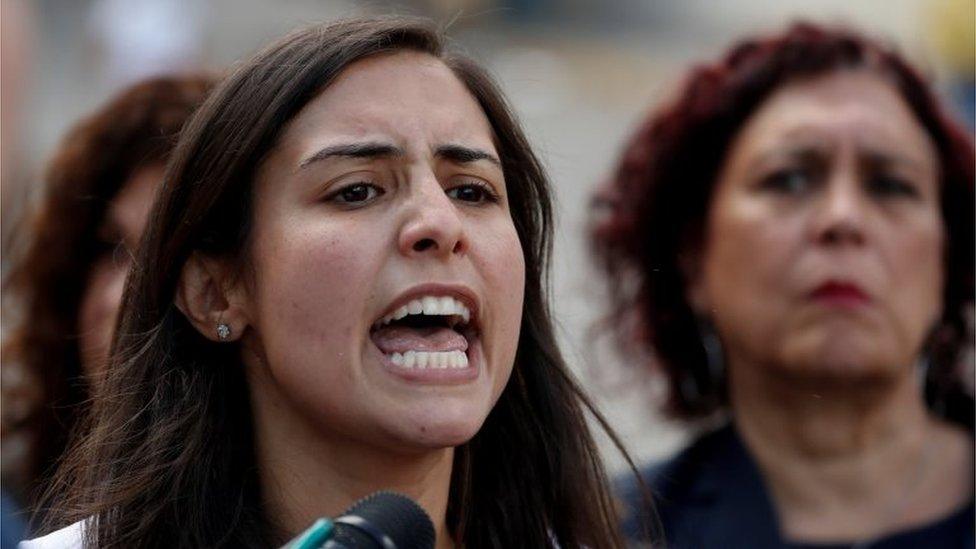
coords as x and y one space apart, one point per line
849 460
306 474
298 489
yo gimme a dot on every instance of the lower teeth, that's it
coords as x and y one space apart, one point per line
432 360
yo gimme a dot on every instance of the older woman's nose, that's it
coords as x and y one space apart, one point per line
841 216
433 224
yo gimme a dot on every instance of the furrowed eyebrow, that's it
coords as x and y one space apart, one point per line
880 158
353 150
464 155
803 153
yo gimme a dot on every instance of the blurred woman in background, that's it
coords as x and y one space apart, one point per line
64 292
792 238
341 290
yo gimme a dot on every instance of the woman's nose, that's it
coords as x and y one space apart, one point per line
841 216
433 224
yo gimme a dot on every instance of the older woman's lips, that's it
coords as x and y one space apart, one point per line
840 294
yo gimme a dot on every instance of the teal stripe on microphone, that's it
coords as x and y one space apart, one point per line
316 535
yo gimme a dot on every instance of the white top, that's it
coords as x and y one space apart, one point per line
69 537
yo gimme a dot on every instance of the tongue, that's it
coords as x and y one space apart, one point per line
400 339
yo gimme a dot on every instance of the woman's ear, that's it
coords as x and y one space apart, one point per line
212 298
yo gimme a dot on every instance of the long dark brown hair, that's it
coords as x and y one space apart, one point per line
168 460
138 127
653 209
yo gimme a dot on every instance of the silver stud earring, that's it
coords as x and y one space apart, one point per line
223 331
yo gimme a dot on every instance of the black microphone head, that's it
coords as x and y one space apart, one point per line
388 514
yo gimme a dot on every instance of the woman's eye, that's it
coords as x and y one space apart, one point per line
356 194
791 181
121 255
472 192
114 253
891 186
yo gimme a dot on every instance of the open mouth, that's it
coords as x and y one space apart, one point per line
427 332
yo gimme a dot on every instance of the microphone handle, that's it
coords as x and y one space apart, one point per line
314 536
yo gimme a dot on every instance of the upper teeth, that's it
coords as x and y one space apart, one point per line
429 305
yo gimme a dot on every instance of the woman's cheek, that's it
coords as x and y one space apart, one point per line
508 284
313 282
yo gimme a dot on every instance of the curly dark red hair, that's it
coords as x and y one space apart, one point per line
651 212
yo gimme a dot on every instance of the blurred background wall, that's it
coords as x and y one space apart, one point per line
579 73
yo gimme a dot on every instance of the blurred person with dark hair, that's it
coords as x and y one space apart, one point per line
64 292
792 240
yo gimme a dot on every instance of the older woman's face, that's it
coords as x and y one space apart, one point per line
824 242
388 277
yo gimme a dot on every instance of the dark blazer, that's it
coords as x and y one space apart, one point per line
712 495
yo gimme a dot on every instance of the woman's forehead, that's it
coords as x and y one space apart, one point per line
856 106
405 98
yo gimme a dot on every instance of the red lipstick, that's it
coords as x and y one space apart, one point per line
841 294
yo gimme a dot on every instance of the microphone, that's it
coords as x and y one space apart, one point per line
382 520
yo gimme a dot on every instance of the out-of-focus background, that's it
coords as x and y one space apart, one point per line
579 73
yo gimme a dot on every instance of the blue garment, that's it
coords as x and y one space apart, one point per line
712 495
11 524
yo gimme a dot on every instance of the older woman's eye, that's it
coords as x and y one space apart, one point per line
356 194
885 186
790 181
476 193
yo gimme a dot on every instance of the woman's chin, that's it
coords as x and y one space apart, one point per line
843 358
426 432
